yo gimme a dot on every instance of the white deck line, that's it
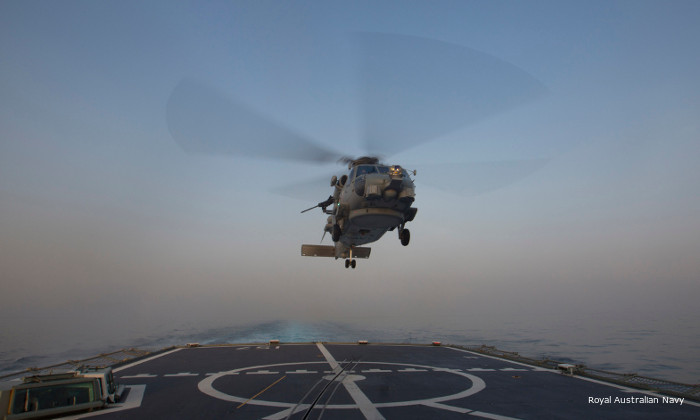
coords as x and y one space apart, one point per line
491 416
368 409
145 360
533 368
448 407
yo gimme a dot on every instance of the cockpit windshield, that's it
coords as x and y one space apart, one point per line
366 169
393 170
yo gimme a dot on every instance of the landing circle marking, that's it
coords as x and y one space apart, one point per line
206 386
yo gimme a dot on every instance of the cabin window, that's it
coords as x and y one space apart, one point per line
46 397
111 386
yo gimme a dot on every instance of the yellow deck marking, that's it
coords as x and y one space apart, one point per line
253 397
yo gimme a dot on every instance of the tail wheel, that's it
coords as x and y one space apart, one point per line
405 237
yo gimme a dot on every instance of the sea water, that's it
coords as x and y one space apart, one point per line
652 351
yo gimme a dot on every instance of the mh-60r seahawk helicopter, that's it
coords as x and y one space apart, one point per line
372 199
410 90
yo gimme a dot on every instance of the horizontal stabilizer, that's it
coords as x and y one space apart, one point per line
329 251
358 252
317 251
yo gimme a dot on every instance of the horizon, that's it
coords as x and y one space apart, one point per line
109 230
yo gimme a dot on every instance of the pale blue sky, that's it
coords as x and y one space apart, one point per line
102 212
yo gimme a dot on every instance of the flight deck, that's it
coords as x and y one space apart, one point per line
367 381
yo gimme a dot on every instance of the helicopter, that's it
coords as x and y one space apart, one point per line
366 203
411 90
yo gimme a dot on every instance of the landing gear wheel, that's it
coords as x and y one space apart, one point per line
353 263
336 233
405 237
347 263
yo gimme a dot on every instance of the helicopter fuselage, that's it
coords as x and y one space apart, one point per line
372 199
370 204
366 203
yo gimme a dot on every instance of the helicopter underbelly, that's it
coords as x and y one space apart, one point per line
368 225
361 236
375 218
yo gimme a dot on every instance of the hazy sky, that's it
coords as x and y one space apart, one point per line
107 224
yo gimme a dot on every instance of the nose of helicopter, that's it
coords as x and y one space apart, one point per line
390 194
380 185
387 187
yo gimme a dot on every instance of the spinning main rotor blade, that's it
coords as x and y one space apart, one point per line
415 89
203 121
476 178
466 179
411 90
308 190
